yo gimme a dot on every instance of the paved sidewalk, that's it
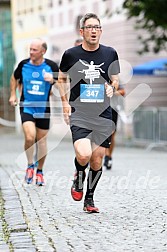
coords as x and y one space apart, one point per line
132 199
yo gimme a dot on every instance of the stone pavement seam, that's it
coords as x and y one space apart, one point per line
4 236
13 216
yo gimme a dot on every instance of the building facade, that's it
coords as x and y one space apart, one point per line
6 58
29 19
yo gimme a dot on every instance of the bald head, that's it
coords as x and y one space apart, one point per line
38 48
40 42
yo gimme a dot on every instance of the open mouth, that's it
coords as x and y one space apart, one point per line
93 37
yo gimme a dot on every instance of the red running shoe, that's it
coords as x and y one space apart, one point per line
77 186
89 206
29 175
39 179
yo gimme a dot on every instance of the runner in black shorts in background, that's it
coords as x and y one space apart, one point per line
108 159
93 72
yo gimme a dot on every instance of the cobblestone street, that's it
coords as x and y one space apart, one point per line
132 199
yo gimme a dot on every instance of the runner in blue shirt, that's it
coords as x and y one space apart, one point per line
35 77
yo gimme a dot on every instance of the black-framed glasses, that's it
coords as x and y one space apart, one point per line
91 27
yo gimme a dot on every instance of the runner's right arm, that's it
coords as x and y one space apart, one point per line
13 86
63 86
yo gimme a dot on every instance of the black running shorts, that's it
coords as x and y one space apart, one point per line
114 117
97 137
41 123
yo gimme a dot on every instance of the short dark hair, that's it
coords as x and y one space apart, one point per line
86 17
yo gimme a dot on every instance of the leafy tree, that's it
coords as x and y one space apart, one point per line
151 15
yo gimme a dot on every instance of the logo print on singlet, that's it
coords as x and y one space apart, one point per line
35 74
93 71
